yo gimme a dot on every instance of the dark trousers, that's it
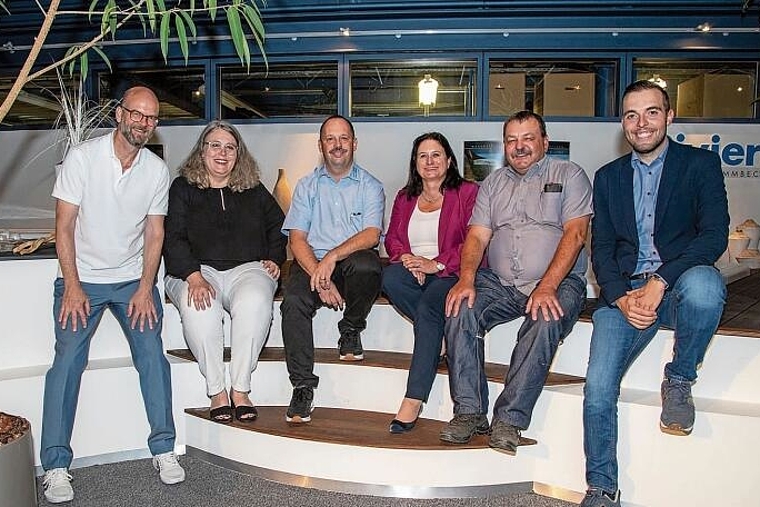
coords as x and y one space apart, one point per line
357 278
424 306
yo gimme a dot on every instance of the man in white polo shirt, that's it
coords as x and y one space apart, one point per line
111 201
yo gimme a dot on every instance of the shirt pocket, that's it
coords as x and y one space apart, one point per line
547 209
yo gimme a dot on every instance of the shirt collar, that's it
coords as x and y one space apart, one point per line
534 170
636 158
352 174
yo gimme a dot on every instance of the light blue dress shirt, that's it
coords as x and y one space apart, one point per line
646 185
330 211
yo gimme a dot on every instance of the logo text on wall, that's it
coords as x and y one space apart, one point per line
740 161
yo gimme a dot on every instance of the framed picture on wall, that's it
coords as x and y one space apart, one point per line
481 158
158 149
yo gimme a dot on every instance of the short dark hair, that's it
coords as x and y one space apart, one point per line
333 117
453 179
643 84
523 116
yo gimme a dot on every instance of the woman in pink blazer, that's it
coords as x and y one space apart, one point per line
424 241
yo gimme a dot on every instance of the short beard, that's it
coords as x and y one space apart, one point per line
126 131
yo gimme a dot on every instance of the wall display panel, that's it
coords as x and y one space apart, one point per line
180 91
284 90
411 88
704 89
552 87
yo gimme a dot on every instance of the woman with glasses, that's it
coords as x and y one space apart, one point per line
424 241
223 250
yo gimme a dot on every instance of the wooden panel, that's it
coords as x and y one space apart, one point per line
353 427
495 372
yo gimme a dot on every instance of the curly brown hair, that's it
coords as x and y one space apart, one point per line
244 175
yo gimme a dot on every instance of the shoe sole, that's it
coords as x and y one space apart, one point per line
504 450
171 482
59 499
453 440
298 419
351 357
675 429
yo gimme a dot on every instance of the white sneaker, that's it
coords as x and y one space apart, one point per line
57 484
169 469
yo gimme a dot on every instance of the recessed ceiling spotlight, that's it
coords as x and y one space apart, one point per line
704 27
398 35
345 31
505 34
294 39
615 34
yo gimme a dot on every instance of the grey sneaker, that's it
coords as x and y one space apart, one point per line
596 497
462 428
301 405
169 469
677 408
504 437
350 346
57 484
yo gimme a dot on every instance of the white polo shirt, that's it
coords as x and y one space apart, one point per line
113 207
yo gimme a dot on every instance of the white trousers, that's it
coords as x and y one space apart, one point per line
245 293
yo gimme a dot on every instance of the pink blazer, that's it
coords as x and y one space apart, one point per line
452 227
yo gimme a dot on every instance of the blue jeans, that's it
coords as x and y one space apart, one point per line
537 342
692 307
71 350
424 306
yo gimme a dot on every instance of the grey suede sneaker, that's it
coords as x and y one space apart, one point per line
596 497
504 437
462 428
677 408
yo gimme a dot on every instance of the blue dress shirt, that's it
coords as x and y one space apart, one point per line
646 184
330 211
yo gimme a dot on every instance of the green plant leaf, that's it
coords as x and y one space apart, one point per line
238 37
253 18
212 7
152 16
181 36
164 35
103 57
91 10
189 23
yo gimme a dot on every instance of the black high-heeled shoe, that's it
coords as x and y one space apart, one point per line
398 427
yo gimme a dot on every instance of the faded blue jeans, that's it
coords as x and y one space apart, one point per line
71 350
692 307
537 342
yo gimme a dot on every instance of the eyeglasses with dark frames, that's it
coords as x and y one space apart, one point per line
137 116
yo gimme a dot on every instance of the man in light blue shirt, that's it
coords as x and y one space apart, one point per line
334 225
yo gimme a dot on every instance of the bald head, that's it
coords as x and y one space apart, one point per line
140 94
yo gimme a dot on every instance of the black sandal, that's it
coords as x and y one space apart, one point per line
221 415
246 414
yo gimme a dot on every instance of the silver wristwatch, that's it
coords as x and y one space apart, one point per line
440 266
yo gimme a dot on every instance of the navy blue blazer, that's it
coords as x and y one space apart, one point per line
691 218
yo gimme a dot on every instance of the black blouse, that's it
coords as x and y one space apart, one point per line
220 228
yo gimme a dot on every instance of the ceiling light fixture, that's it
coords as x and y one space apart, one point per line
704 27
656 79
345 31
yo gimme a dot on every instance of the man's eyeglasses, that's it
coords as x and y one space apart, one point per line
137 116
217 146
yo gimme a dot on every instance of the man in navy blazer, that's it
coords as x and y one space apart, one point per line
660 222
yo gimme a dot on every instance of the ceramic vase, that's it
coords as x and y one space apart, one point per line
737 243
282 192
